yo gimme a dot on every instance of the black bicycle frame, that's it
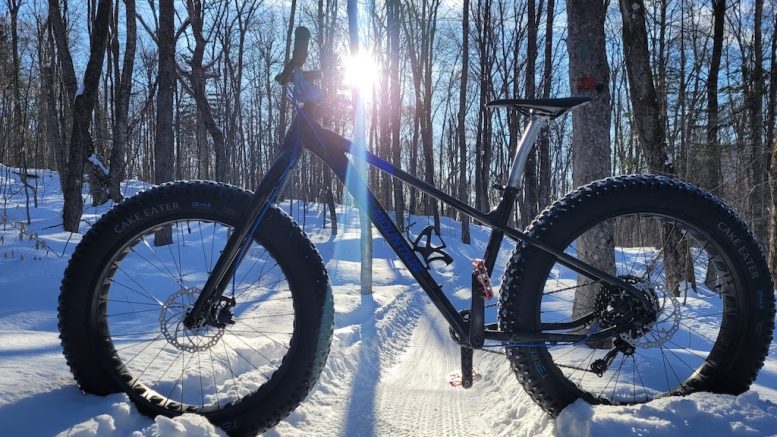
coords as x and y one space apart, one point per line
334 150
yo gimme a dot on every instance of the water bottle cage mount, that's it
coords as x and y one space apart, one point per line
430 253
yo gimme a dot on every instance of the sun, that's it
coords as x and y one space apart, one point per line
361 72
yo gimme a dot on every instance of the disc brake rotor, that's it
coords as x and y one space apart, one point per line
667 322
172 327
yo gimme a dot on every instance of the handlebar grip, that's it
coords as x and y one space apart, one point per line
301 41
298 55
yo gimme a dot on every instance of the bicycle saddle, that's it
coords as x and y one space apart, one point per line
549 107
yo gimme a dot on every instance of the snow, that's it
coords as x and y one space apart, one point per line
97 163
387 373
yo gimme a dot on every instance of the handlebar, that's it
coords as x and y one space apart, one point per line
298 57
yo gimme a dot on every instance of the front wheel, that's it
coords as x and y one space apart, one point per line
140 268
713 299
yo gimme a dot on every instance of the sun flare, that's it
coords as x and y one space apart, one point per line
361 72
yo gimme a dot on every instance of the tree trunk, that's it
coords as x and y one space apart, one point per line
650 129
758 210
543 179
81 149
358 134
772 143
17 146
164 146
529 188
461 118
393 13
123 83
589 75
483 148
709 160
197 90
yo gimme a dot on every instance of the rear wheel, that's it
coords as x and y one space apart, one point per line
713 313
140 269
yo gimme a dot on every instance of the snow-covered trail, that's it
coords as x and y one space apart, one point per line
416 395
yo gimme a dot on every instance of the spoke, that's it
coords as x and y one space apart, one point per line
164 345
610 380
215 383
259 278
257 352
129 334
155 304
570 287
250 286
698 333
144 293
229 366
666 373
245 275
267 316
167 370
132 312
265 300
165 272
687 350
202 384
233 331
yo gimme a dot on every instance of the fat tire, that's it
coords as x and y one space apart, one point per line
746 339
90 359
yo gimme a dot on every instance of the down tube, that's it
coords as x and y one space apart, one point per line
355 184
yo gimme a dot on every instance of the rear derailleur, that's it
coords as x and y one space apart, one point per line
614 307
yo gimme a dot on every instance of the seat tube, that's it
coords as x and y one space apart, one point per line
530 135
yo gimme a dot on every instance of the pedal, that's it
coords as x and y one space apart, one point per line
481 289
466 367
454 378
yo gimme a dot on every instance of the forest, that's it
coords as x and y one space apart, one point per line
103 91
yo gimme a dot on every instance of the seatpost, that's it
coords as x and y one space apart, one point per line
536 123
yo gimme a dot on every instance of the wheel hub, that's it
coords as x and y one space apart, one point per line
171 324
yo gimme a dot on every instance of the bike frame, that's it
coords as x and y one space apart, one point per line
334 150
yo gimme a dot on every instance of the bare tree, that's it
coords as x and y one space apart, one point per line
758 211
83 98
710 156
364 218
123 82
485 40
393 9
648 119
421 29
197 89
529 189
462 129
543 148
589 75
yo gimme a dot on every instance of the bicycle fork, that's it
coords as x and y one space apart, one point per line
207 308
